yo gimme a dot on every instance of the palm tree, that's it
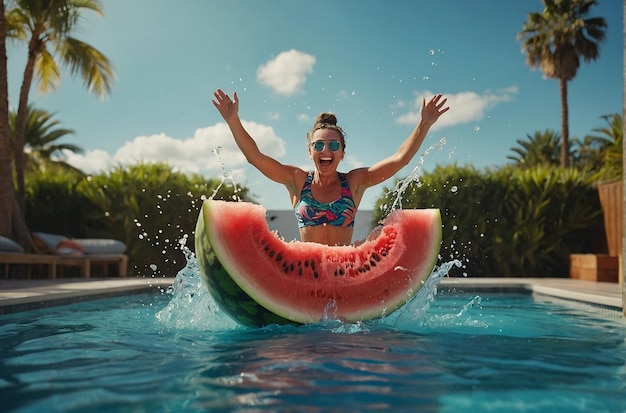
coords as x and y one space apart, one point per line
7 196
602 152
542 148
555 39
47 27
42 150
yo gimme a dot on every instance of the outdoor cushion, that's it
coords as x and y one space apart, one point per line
47 243
94 246
58 244
69 247
8 245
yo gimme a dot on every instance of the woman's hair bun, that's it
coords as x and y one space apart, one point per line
326 118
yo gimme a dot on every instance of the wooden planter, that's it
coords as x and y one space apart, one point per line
612 206
594 267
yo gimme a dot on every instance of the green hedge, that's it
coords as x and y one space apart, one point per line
506 222
148 207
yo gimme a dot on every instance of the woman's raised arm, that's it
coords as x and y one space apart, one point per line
388 167
268 166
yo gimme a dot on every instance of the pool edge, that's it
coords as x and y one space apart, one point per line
594 293
25 295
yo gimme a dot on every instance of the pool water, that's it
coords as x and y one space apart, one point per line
444 351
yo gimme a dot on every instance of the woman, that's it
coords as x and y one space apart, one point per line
325 200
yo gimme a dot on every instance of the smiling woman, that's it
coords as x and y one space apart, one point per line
325 200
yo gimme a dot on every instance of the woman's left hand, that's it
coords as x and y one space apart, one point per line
431 111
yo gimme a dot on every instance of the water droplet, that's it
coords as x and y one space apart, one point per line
431 52
454 189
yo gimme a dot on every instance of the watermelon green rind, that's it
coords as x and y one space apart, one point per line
226 293
240 229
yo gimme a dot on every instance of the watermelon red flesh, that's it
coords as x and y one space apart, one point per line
297 280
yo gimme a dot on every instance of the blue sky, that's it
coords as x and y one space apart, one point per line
368 61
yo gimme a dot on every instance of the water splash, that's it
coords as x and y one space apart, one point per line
191 305
415 174
331 322
465 317
413 314
226 176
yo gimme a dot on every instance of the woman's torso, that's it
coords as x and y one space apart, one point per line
330 222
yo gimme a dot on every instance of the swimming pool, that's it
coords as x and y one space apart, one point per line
449 352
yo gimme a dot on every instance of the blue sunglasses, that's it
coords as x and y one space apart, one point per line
318 146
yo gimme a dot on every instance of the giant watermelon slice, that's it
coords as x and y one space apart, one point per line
259 279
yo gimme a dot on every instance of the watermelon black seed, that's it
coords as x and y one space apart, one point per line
299 270
315 274
376 257
272 252
372 263
292 266
306 263
279 256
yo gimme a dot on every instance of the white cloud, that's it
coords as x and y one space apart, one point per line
210 152
287 72
464 106
273 116
352 161
344 94
303 118
90 161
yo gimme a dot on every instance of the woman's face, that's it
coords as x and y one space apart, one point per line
325 158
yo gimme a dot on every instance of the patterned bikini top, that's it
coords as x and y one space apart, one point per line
340 213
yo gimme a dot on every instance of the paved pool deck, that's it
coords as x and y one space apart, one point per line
23 295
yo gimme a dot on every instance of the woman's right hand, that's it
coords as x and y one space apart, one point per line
228 108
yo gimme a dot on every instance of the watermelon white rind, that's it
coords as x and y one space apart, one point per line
259 279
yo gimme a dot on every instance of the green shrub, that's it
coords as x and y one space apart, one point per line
55 204
506 222
149 207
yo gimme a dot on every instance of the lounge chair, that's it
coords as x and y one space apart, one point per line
58 252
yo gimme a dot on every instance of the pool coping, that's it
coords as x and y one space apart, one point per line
24 295
602 294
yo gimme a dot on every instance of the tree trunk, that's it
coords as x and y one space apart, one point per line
21 233
7 194
564 124
34 47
